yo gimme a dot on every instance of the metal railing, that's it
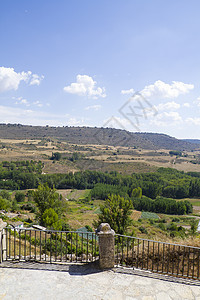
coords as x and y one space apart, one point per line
73 246
172 259
50 245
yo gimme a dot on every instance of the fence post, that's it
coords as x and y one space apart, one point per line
2 241
106 246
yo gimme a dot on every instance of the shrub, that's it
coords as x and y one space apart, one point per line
29 206
19 196
172 227
162 226
89 228
143 230
175 220
56 156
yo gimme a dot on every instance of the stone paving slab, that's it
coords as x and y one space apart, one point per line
39 281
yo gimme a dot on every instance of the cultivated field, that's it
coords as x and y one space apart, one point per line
125 160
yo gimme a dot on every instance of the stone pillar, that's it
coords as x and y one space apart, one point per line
106 246
2 240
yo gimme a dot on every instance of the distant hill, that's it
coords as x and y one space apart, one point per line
93 135
193 141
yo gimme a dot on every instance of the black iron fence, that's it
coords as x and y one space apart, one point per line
73 246
159 257
50 245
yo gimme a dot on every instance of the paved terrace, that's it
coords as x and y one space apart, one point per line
44 281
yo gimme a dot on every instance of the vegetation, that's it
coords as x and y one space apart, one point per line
165 182
160 210
163 205
177 153
149 215
19 196
50 205
56 156
116 211
50 219
89 135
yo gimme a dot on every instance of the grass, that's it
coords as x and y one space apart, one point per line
149 215
79 214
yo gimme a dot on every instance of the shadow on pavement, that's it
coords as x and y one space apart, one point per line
78 269
71 268
169 278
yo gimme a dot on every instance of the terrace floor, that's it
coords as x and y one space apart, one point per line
44 281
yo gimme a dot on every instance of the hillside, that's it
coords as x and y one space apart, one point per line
194 141
93 135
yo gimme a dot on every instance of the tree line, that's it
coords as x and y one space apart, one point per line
165 182
163 205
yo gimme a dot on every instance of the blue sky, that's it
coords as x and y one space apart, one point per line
78 62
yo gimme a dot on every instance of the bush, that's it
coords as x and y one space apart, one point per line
29 206
19 196
172 227
89 228
56 156
151 221
175 220
4 204
162 226
143 230
5 195
65 226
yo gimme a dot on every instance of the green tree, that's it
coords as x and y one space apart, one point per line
75 156
4 204
46 198
116 211
194 226
56 156
14 206
50 219
136 193
19 196
5 195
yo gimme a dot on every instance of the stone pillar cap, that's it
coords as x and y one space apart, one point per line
104 228
2 224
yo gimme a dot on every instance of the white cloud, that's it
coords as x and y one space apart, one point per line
173 115
167 119
72 121
21 100
168 106
117 122
15 115
10 80
127 92
197 101
194 121
93 107
38 103
165 90
36 79
186 104
85 86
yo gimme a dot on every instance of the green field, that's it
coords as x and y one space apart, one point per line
149 215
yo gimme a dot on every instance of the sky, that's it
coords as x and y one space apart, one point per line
128 64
